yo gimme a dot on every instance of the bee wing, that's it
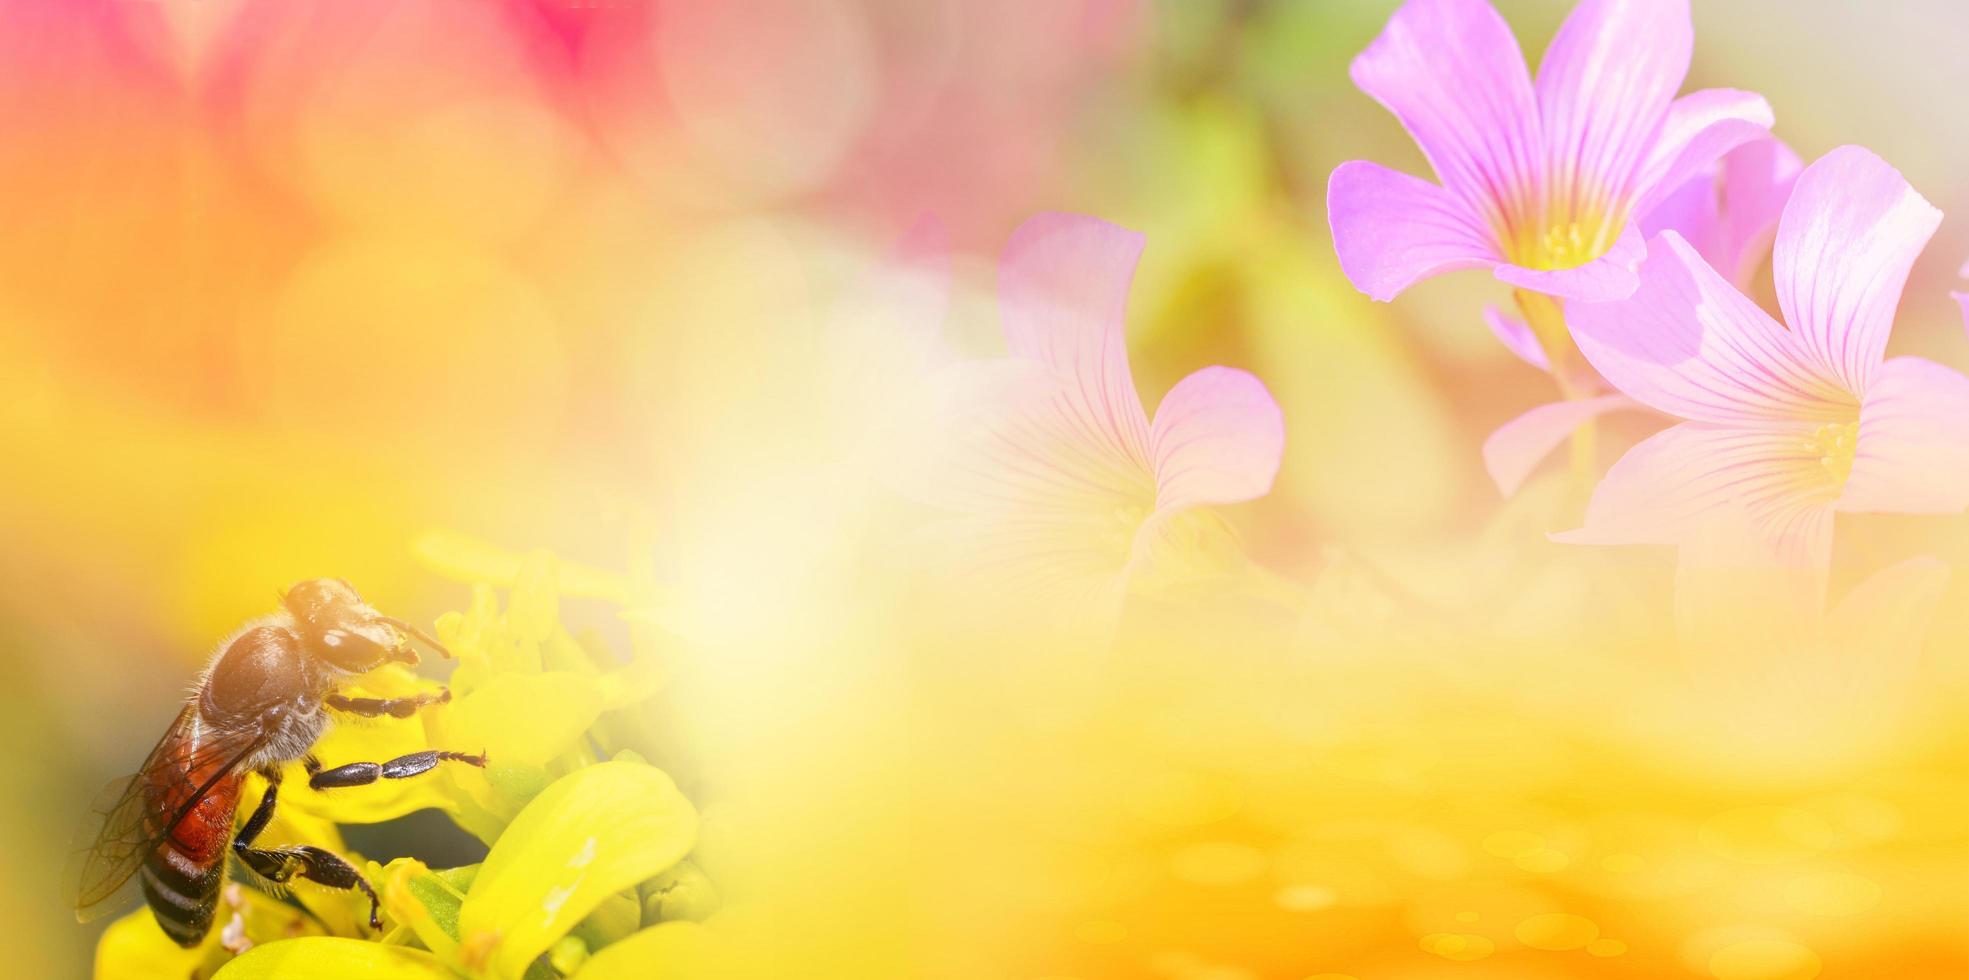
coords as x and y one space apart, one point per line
129 830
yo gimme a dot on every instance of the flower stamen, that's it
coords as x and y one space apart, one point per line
1833 443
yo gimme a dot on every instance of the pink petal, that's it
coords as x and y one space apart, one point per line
1517 337
1757 181
1034 508
1518 446
1962 300
1013 443
1913 449
1729 211
1609 277
1849 235
1063 296
1694 210
1699 129
1604 86
1217 438
1678 481
1392 230
1451 71
1689 344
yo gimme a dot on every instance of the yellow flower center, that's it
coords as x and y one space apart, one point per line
1833 444
1559 228
1565 246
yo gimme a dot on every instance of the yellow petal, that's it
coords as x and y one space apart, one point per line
673 950
134 948
536 601
328 958
594 833
463 558
522 723
473 636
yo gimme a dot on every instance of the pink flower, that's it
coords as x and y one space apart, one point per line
1729 210
1066 485
1540 181
1729 213
1789 425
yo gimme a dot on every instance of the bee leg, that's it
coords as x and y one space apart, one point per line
279 865
261 814
378 707
401 767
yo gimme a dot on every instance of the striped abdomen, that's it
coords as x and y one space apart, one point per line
181 877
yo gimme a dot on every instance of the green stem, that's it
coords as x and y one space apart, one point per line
1546 317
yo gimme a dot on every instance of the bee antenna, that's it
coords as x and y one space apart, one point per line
420 635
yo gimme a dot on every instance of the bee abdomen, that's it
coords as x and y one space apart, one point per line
182 893
183 874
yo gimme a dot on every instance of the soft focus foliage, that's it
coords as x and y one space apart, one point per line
691 296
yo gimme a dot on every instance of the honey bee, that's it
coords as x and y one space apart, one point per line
264 700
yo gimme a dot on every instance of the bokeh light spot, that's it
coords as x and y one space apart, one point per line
1306 898
1543 860
1513 843
433 342
1621 864
1832 893
1460 946
1857 820
771 95
1767 834
1218 863
1557 931
1765 959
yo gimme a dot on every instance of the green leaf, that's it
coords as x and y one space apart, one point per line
673 949
684 892
617 916
328 958
417 897
594 833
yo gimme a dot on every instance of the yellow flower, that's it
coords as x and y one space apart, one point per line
585 841
586 860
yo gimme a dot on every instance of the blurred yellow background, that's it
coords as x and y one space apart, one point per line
285 285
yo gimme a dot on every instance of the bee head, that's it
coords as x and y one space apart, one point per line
325 603
344 631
